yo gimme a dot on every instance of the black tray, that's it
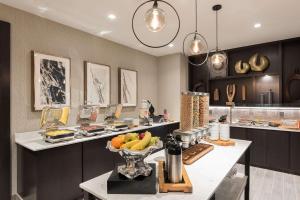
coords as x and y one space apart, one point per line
119 184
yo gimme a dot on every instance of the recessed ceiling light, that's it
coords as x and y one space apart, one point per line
257 25
43 9
171 45
101 33
111 16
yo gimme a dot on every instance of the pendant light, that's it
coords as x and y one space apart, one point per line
195 44
155 21
155 18
219 57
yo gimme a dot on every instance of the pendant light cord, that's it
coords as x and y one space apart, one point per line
196 6
217 32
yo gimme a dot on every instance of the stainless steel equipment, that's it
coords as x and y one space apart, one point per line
174 158
191 137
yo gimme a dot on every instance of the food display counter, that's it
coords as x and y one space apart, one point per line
54 171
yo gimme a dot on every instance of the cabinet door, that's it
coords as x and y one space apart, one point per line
295 152
278 150
238 133
5 155
97 160
258 147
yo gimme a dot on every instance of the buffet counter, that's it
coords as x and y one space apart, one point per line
54 171
237 125
34 140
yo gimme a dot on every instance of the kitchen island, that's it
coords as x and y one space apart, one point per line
53 171
206 176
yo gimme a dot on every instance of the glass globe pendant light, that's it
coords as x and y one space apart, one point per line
197 45
155 18
218 58
155 21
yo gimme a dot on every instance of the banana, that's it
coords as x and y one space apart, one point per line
131 136
128 145
142 144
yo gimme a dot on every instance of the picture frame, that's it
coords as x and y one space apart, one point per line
128 87
97 84
51 80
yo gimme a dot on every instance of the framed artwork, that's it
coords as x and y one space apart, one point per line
127 87
51 80
97 84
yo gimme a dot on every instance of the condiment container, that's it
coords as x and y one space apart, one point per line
186 112
215 131
174 158
224 131
270 97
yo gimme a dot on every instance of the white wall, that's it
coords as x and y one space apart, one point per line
159 79
30 32
172 80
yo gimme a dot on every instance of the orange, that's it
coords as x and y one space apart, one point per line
117 141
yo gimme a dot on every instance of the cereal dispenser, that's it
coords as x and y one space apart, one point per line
194 117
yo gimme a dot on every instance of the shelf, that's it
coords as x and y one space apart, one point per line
231 188
243 76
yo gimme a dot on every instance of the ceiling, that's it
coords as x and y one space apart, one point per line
279 20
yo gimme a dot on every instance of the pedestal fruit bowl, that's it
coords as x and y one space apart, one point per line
134 148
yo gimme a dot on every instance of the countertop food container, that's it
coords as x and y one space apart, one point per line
194 110
224 131
215 131
174 158
186 112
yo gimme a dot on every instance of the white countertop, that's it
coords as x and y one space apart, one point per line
206 175
264 128
34 141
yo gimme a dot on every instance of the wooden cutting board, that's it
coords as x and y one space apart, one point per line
192 154
221 142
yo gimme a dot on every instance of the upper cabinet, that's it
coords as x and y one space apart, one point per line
282 76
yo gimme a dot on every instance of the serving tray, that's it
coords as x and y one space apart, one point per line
165 186
193 153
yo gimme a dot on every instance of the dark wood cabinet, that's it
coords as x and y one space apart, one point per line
258 148
278 149
50 174
295 153
271 149
5 155
239 133
96 158
56 173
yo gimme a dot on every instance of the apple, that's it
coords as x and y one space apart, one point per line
141 136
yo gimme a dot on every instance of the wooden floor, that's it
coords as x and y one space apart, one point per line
272 185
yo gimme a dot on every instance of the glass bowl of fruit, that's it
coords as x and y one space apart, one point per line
134 148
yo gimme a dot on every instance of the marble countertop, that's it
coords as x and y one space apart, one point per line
264 128
34 140
206 175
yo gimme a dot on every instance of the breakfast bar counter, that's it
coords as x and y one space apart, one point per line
53 171
34 141
206 176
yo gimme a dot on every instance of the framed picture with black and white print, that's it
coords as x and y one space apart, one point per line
97 84
128 87
51 80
